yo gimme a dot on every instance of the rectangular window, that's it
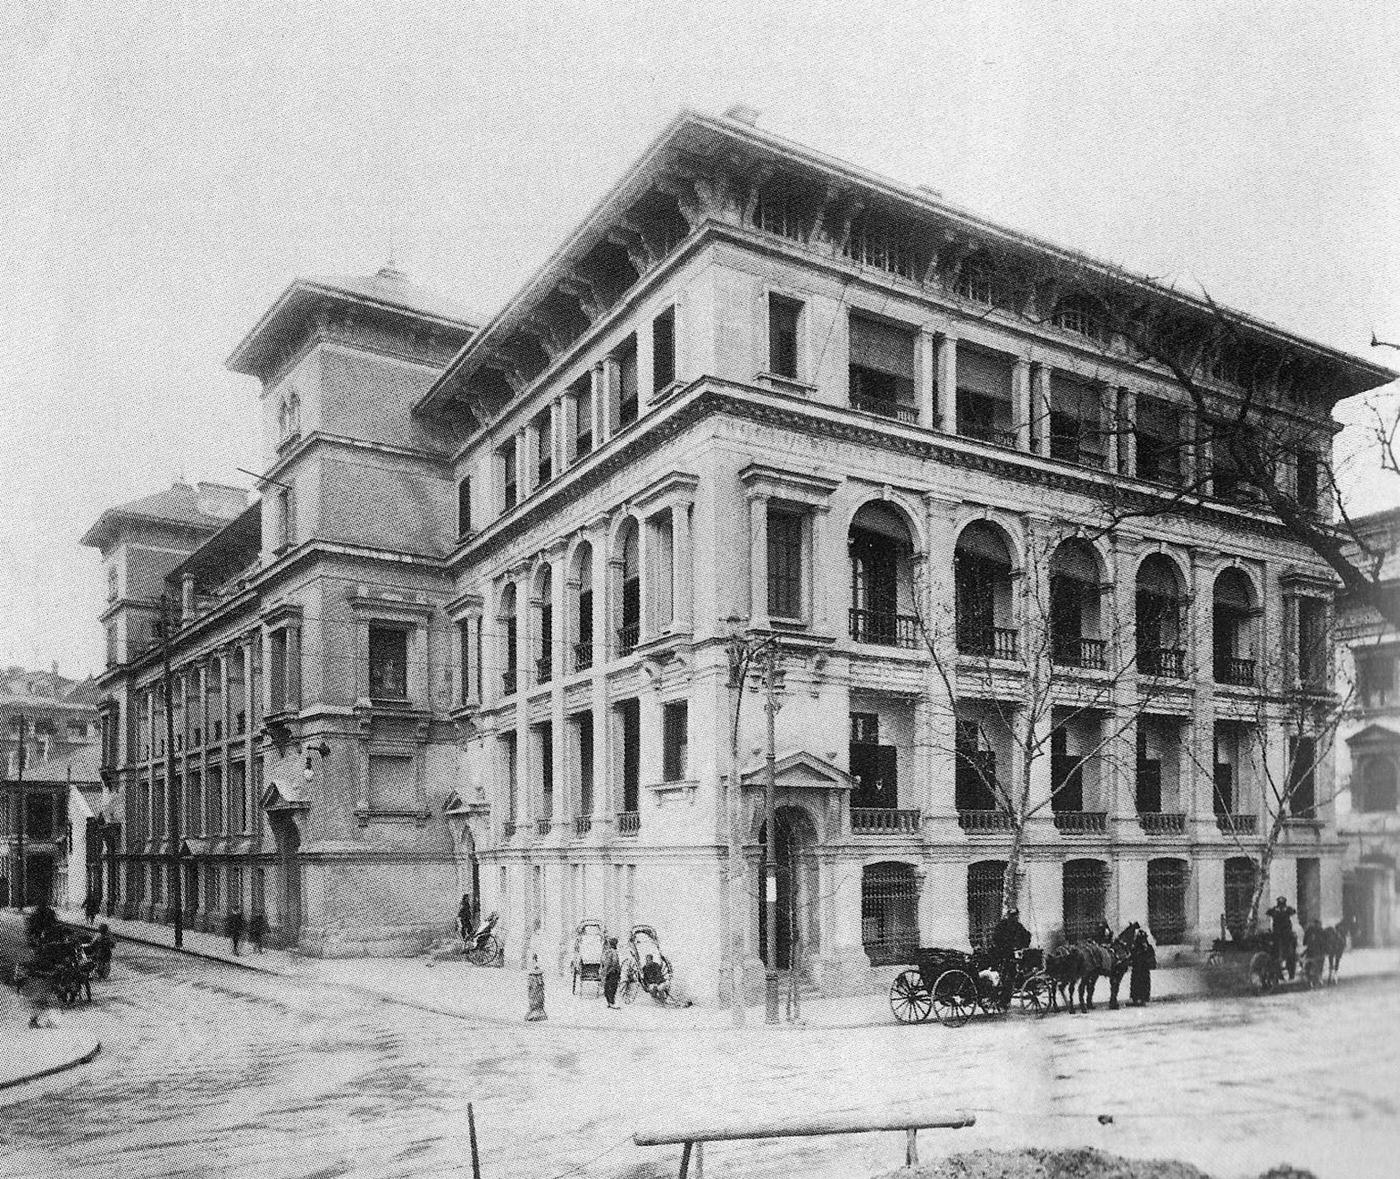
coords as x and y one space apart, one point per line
544 449
544 752
286 519
464 507
237 798
629 732
1302 773
675 741
583 746
1307 479
626 358
663 350
882 368
784 315
784 564
214 801
1312 642
509 486
388 663
512 780
581 395
1375 679
277 658
464 661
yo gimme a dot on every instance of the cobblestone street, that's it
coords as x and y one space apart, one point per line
210 1070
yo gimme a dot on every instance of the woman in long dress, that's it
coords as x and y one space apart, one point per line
1144 960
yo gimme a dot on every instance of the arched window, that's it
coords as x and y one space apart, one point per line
583 608
508 648
1085 890
984 888
1161 605
889 912
1075 635
629 619
982 592
544 637
1233 607
882 580
1166 900
1241 876
1378 785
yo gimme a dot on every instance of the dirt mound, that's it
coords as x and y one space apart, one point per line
1081 1163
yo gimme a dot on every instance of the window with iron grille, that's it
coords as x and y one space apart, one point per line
889 912
1085 890
784 564
1166 901
1241 874
984 889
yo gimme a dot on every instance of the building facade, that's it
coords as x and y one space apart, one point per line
485 632
1368 753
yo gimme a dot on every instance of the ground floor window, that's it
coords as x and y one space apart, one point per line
1166 901
984 885
1240 875
889 912
1085 897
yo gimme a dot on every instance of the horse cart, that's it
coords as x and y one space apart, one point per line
1253 963
589 937
63 964
952 986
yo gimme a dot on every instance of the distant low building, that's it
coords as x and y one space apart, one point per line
1368 753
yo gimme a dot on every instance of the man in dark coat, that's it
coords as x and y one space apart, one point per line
233 928
1008 937
1143 959
611 969
257 927
1285 941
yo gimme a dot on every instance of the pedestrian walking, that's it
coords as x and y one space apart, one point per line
233 928
102 946
611 968
257 927
91 903
1143 959
466 923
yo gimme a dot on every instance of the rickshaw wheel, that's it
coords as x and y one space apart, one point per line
954 998
909 1000
1033 994
1262 977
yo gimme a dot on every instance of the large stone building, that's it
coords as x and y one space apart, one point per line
476 635
1368 751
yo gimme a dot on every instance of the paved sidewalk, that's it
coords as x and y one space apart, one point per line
498 995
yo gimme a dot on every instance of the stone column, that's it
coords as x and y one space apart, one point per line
819 523
1022 404
1197 790
926 379
1040 408
600 568
526 808
558 451
946 408
758 561
682 572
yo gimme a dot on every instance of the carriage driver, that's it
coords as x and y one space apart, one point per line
1285 940
1009 937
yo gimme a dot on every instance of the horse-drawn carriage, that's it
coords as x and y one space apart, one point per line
1254 962
589 939
63 963
952 986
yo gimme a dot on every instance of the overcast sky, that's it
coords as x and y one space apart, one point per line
171 166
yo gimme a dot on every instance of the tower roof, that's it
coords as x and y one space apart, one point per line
204 506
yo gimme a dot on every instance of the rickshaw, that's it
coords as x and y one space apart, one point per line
484 948
589 938
641 942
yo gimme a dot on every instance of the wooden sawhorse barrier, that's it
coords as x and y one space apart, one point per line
692 1139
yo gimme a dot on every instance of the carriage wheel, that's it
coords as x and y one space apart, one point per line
1033 994
954 998
1263 973
909 1000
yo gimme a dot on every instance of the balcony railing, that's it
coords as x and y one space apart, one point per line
1229 670
628 822
884 629
628 637
994 643
507 682
1070 651
1231 824
583 824
1082 822
544 826
990 434
974 822
886 409
583 656
1162 823
884 820
1163 661
544 670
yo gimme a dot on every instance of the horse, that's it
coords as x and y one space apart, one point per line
1121 952
1334 945
1081 965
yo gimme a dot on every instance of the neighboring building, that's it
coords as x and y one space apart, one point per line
58 718
476 635
67 810
1368 748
